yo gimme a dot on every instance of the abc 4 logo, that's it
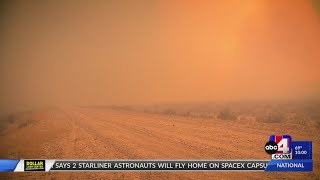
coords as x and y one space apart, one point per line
280 144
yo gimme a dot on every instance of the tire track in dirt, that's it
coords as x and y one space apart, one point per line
81 143
202 146
150 140
140 156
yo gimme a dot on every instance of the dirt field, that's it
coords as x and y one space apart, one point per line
100 133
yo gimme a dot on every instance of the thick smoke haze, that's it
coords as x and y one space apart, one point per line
137 52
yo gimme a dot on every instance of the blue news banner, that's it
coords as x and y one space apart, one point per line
301 165
301 162
301 159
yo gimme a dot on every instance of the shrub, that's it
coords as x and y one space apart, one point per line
271 117
186 114
25 123
226 114
169 112
5 120
206 115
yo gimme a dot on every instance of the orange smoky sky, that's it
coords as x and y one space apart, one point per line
135 52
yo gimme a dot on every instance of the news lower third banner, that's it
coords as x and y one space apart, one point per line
303 165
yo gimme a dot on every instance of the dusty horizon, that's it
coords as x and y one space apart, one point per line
144 52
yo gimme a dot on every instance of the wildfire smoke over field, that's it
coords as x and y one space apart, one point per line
157 79
125 52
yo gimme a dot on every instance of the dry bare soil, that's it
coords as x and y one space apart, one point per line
101 133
